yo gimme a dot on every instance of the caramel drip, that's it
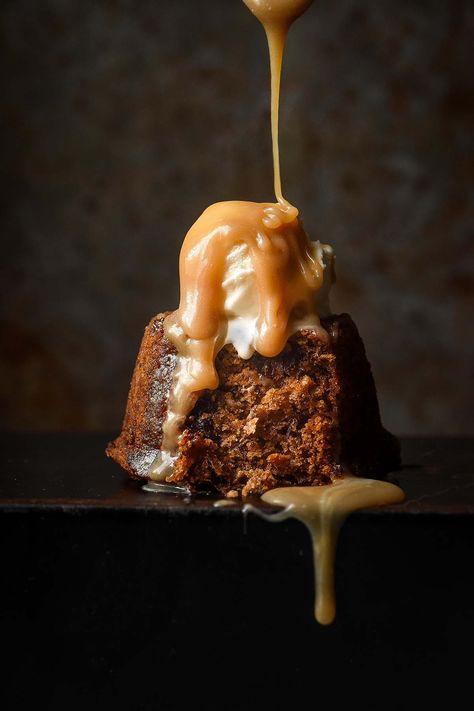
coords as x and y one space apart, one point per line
323 510
276 17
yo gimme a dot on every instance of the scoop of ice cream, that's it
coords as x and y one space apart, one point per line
241 297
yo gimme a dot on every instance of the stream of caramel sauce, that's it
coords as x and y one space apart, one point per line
280 251
276 16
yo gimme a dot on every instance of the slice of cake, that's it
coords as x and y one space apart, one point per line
299 418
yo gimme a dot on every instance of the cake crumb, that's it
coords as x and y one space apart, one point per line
250 426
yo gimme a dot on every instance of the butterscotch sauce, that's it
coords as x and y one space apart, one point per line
323 510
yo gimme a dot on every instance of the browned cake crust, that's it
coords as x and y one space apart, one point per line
297 418
140 440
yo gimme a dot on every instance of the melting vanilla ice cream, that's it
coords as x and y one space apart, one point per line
241 297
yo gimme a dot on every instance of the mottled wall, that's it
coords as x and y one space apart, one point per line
122 120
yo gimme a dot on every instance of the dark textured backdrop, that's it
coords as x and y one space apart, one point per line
122 120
